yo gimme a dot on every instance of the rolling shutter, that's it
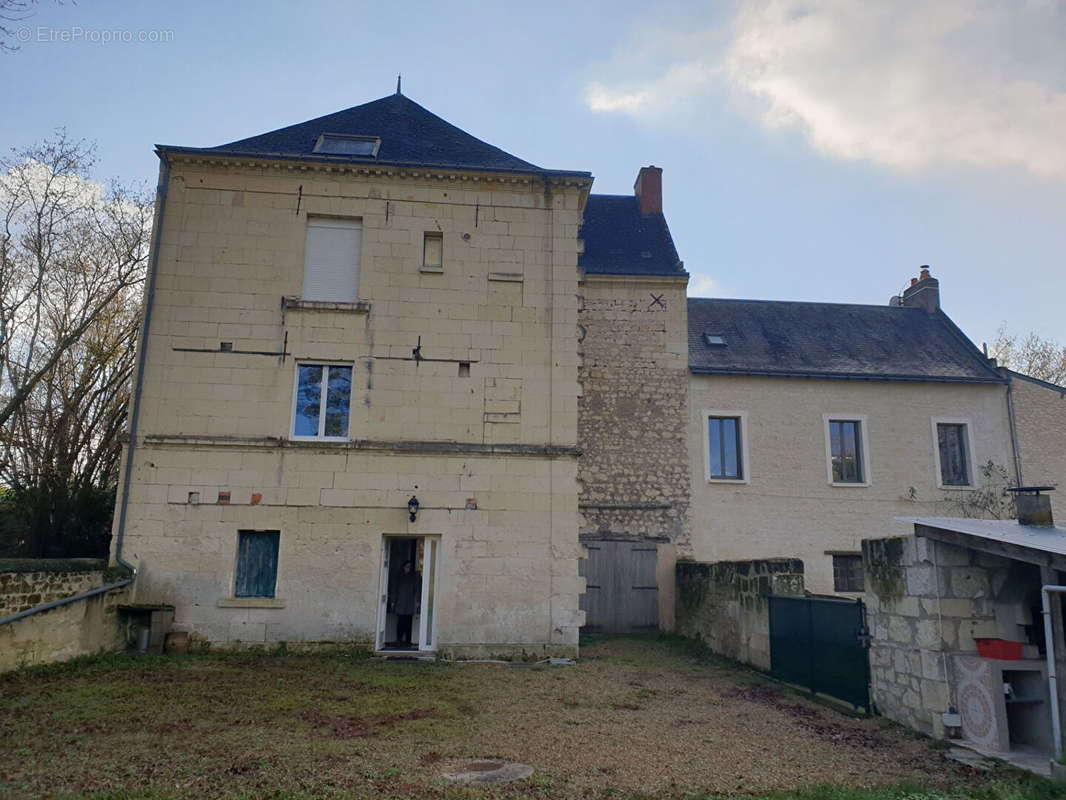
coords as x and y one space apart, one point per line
331 270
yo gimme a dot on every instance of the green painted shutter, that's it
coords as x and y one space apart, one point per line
257 563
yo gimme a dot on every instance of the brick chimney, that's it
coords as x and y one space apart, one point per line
924 292
649 190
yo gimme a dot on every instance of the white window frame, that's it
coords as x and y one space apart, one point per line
971 455
745 461
320 437
864 446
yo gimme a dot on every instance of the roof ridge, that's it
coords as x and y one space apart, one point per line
754 300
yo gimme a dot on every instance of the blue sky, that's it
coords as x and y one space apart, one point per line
817 150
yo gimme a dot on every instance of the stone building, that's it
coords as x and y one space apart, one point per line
398 386
631 414
813 425
360 351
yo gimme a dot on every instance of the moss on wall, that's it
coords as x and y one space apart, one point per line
883 562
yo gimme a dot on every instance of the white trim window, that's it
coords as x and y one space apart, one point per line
311 417
847 449
725 446
953 449
331 259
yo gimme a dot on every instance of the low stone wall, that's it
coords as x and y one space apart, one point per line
925 603
29 582
79 628
724 604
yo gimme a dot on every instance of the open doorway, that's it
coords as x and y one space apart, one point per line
407 618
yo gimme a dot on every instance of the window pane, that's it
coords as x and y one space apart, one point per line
724 447
729 445
954 470
836 449
845 451
308 400
714 428
338 397
847 573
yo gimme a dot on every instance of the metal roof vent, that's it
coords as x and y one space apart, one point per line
1033 508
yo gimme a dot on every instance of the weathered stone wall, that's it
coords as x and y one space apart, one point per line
483 430
1040 425
25 583
787 508
925 603
80 628
725 606
632 414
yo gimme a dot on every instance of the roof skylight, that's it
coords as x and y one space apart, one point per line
715 339
342 144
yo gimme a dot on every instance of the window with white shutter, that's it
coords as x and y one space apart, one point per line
331 268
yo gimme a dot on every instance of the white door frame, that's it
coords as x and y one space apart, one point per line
427 639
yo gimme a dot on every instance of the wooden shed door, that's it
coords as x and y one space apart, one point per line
621 593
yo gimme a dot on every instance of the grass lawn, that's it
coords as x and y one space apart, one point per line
638 717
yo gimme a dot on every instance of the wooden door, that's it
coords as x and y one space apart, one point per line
621 591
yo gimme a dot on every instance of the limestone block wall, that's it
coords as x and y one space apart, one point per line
725 606
481 425
787 507
631 414
1040 425
925 603
81 628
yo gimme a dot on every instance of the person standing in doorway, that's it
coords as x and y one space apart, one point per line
407 596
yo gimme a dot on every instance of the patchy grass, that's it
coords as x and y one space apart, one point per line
638 717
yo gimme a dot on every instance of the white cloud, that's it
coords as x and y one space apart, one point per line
701 286
904 84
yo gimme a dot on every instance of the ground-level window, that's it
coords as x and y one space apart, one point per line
323 397
847 572
257 563
725 460
953 446
845 447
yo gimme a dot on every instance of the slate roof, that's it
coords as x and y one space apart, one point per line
619 240
832 340
410 135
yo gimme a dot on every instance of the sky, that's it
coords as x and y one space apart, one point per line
812 150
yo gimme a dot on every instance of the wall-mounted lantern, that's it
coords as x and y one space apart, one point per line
412 506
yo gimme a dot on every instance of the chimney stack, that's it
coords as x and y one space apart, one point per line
924 292
649 190
1034 509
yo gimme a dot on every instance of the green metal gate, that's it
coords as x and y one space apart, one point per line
821 643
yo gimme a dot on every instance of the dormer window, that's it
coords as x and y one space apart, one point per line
342 144
714 339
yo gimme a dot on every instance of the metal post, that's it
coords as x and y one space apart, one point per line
1049 645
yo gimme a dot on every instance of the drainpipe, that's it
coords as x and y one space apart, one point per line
1049 645
135 408
142 353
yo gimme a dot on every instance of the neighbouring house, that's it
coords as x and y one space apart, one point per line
813 425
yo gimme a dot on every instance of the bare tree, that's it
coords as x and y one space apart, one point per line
1034 356
72 262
